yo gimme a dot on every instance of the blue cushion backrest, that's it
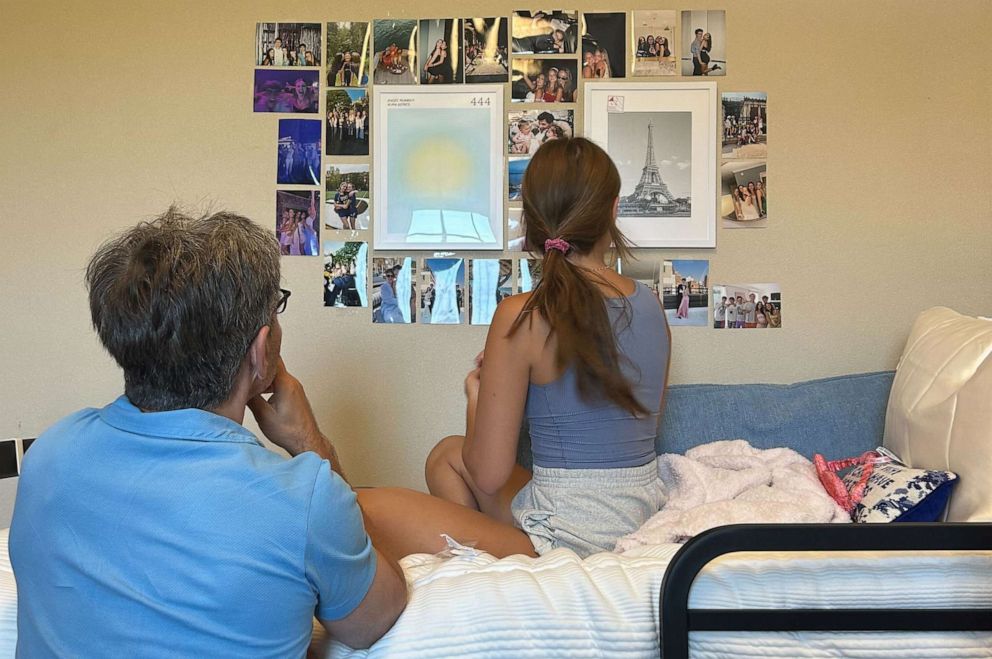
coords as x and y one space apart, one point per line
839 417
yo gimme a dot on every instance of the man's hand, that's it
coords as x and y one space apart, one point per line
286 417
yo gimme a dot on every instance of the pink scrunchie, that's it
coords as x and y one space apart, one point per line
557 243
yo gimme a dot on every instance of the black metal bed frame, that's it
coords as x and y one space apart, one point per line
677 620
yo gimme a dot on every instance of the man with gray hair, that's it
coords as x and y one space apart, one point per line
159 526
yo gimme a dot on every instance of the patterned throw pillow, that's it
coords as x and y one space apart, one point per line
896 493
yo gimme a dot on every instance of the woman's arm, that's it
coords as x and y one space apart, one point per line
497 394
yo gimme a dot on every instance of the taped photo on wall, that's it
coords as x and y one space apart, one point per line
655 53
604 45
394 61
516 240
704 43
545 32
491 280
544 80
347 122
345 271
484 49
348 48
298 222
440 57
298 154
744 194
286 92
747 306
681 284
346 189
529 129
442 292
528 274
287 44
394 294
745 125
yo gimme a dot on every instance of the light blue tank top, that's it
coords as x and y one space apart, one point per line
567 431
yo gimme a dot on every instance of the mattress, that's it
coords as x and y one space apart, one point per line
472 605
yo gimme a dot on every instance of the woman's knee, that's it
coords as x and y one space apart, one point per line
445 454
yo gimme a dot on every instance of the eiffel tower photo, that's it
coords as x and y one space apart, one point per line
651 196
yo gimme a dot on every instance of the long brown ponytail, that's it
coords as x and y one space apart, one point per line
568 192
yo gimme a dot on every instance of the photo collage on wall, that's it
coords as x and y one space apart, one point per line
392 120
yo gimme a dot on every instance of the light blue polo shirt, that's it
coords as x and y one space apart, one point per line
177 534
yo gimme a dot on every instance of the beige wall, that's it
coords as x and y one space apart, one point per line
879 177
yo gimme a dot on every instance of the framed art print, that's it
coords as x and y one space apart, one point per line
662 137
436 183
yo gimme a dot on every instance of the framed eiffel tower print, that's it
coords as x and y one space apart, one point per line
663 138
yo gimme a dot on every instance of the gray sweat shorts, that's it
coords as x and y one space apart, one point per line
586 510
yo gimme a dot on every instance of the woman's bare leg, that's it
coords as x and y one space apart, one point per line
403 522
447 478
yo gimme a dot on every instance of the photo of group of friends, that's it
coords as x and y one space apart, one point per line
747 306
705 32
485 46
347 122
286 92
344 274
604 45
744 198
287 44
743 176
544 81
298 152
529 129
544 32
394 53
654 43
298 222
346 192
394 296
348 45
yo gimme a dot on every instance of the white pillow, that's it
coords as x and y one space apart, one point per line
940 408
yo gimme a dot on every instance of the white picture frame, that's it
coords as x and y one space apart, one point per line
438 169
681 120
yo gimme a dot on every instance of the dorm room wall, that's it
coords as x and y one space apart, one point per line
879 169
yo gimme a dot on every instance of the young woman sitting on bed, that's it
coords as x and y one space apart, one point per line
585 357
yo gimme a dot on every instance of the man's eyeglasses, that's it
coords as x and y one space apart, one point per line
283 299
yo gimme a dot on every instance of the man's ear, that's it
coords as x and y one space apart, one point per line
258 354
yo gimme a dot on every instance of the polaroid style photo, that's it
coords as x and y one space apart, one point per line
348 48
298 222
394 295
747 306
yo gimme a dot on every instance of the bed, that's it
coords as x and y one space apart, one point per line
743 591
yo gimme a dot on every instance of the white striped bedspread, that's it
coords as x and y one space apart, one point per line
607 605
475 606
